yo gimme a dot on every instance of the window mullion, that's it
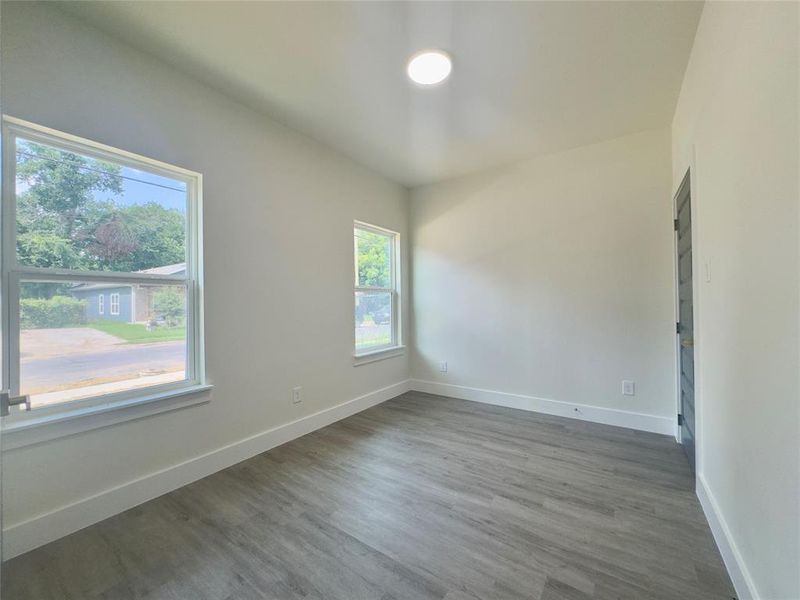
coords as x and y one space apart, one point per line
191 364
45 274
7 256
12 325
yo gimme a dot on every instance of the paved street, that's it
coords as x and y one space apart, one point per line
56 359
113 362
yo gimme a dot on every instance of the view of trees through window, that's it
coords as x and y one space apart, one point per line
373 290
75 212
83 337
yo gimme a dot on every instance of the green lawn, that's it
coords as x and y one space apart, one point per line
372 336
134 333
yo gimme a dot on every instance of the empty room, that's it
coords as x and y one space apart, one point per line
400 300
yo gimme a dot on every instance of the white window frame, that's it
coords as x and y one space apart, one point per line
49 422
395 347
113 301
101 304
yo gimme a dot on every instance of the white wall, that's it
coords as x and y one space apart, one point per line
552 277
279 209
736 125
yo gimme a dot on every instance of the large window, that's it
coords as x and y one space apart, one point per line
82 222
376 291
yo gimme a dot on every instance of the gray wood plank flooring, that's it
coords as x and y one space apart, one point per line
422 497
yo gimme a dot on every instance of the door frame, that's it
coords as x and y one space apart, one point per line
689 178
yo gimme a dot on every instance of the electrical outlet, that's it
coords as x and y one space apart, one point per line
628 388
443 367
297 395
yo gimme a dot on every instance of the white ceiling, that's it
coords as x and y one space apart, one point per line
528 78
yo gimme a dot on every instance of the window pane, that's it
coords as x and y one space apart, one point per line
71 349
373 320
77 212
373 259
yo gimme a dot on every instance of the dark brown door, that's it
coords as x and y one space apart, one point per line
683 226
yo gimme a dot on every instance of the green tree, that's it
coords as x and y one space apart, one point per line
60 184
374 262
156 235
45 249
169 304
61 223
373 253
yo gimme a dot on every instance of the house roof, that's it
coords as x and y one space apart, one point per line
174 269
166 270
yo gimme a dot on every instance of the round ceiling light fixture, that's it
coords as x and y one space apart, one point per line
429 67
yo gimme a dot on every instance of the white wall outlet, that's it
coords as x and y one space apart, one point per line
297 395
628 388
443 366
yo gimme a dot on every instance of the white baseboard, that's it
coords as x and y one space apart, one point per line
737 569
37 531
585 412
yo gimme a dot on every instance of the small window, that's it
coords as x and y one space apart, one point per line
376 293
114 301
86 221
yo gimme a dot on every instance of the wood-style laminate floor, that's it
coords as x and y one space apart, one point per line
421 497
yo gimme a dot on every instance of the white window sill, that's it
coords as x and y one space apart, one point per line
28 428
376 355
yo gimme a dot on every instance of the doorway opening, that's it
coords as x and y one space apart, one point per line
685 324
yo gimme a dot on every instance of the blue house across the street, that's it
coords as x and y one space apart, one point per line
119 302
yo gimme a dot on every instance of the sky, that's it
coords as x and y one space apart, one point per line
140 187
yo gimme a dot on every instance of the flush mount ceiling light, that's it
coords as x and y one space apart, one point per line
429 67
